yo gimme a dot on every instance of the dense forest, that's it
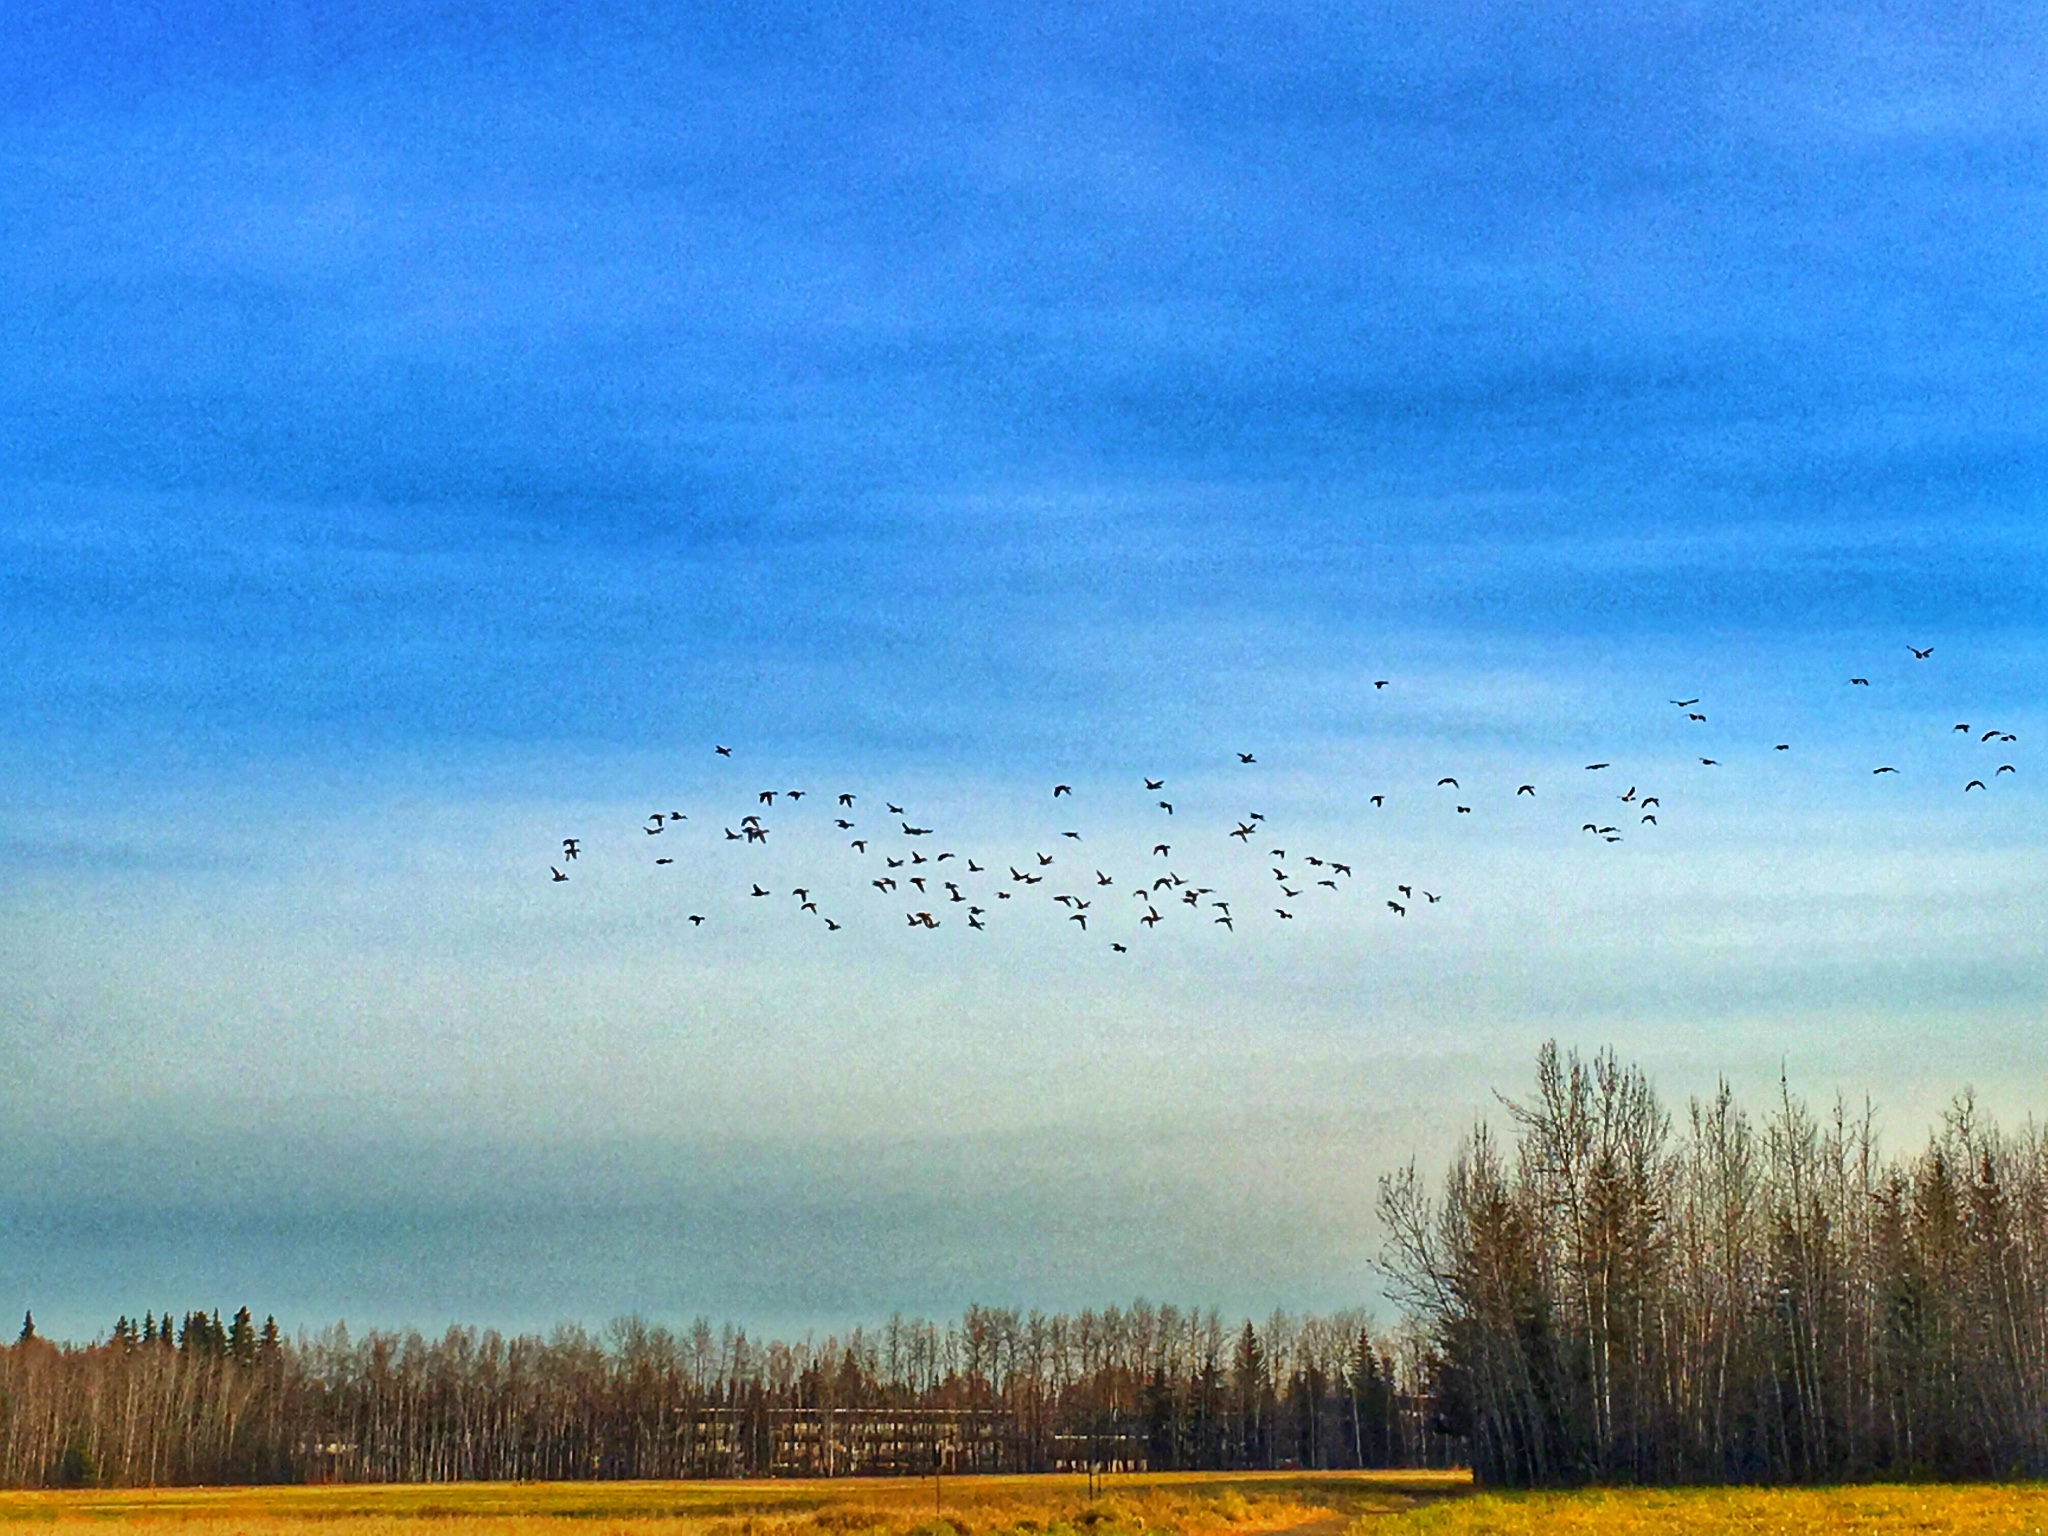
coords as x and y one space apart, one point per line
1608 1297
199 1401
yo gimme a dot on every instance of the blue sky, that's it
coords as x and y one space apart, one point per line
425 430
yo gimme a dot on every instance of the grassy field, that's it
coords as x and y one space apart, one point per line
1351 1504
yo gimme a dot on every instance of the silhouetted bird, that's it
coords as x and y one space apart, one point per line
1920 655
1246 757
723 751
559 876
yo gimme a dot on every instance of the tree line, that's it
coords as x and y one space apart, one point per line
198 1401
1607 1296
1604 1293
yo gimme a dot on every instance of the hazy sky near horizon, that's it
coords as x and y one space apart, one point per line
425 431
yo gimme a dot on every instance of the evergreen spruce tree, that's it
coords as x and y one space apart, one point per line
241 1339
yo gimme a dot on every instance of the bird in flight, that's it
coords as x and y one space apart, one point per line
1246 757
1685 703
723 751
1062 789
1596 767
1974 784
1883 770
1696 715
1859 682
559 876
1379 683
1397 909
1161 850
1155 783
1783 746
1525 789
1440 783
571 847
696 920
847 801
2005 768
664 861
1710 762
1920 655
1119 949
1166 806
1378 799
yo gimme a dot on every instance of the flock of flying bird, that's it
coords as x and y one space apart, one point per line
933 885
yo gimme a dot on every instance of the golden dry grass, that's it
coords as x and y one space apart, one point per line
1935 1509
1347 1504
1155 1505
